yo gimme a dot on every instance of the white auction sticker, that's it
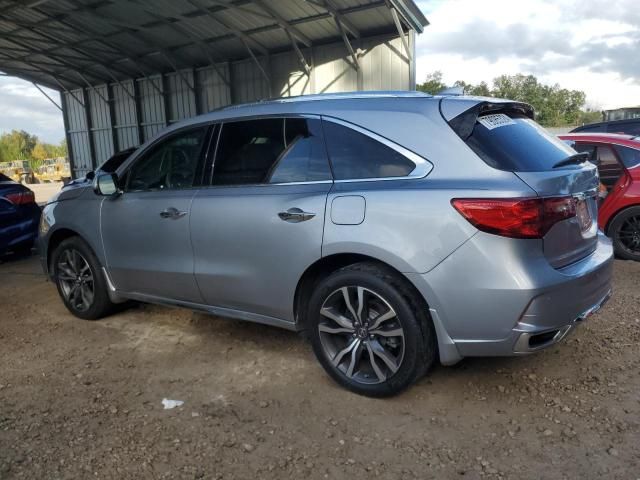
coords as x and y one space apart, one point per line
496 120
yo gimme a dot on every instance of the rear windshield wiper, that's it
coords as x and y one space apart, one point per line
576 159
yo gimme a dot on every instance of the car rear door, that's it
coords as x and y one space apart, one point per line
145 230
259 225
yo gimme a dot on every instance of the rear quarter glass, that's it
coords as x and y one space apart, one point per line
515 143
630 156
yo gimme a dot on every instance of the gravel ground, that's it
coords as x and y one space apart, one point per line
83 399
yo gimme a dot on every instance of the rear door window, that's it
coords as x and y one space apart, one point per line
356 156
516 143
304 158
272 150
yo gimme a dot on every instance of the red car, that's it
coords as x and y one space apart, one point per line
618 160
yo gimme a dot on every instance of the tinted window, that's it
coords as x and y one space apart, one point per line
516 143
4 178
354 155
112 164
628 128
608 166
630 156
274 150
304 158
171 164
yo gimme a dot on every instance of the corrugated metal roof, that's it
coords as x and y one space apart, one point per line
65 44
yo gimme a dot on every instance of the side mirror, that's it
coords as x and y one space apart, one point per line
106 184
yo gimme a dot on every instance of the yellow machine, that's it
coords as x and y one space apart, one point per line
53 170
18 170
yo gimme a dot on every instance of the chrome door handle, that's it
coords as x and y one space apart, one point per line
172 213
296 215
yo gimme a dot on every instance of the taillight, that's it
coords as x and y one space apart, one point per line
516 217
21 198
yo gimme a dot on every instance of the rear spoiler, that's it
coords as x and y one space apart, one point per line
461 115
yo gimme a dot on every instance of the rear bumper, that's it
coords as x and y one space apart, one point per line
497 297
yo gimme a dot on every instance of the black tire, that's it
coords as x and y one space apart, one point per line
624 231
99 305
412 353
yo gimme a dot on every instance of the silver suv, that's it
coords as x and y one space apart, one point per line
393 228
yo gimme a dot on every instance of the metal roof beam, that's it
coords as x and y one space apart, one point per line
26 75
238 33
334 10
284 24
303 60
115 21
40 66
90 58
401 34
46 95
347 43
198 41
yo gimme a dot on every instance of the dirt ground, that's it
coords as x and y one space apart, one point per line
83 399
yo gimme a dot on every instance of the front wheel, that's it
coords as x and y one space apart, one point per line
368 330
80 282
625 233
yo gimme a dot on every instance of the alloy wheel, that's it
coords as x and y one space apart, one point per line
361 335
629 234
76 280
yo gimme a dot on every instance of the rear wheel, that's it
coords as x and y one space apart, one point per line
80 282
625 233
368 331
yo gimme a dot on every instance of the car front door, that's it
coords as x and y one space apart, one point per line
145 230
259 224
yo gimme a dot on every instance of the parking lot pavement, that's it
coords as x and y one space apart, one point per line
44 191
81 399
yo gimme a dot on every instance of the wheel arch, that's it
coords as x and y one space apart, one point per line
325 266
54 240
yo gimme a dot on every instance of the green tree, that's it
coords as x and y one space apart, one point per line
17 145
554 106
41 151
480 90
433 83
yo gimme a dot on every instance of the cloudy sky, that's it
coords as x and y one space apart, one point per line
590 45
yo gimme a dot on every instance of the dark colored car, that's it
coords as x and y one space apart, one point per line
19 216
630 126
618 160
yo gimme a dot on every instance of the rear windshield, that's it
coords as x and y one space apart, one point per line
4 178
516 143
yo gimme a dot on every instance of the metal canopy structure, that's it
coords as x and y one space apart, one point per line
127 68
